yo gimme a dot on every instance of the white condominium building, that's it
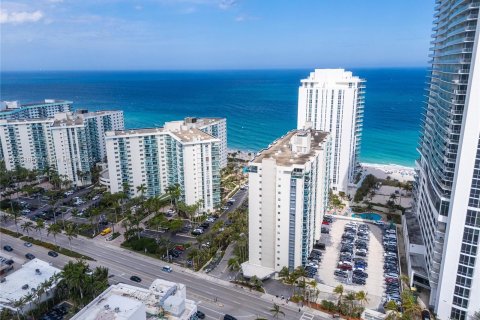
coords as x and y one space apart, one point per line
70 142
27 143
447 188
163 300
43 109
332 100
288 195
216 127
159 157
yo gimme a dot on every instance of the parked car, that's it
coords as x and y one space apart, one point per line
8 248
200 315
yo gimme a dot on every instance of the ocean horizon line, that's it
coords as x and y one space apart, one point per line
218 69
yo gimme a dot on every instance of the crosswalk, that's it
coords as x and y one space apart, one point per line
307 316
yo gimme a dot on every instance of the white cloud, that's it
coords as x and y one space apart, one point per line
242 18
19 17
227 4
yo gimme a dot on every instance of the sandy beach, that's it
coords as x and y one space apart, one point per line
394 171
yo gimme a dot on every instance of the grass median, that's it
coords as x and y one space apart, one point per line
11 233
51 246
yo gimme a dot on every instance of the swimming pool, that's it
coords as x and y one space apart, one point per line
368 215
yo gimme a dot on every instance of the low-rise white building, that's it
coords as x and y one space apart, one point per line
24 284
216 127
126 302
159 157
288 196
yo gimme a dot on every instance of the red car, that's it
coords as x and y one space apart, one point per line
181 248
344 267
391 280
326 223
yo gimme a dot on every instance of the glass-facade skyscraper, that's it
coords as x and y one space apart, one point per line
447 188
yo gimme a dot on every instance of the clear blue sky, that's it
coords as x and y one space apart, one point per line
213 34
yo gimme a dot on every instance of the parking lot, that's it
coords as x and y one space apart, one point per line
371 270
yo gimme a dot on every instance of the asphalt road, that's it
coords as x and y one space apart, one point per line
202 288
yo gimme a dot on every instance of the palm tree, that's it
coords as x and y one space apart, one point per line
39 225
410 305
71 232
350 297
393 197
338 290
142 188
276 311
74 275
362 297
27 226
54 229
175 192
392 310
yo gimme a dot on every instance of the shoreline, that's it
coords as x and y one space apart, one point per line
394 171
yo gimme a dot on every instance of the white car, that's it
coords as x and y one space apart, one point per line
96 198
391 231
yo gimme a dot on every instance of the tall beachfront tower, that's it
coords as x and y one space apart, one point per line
447 189
332 100
288 195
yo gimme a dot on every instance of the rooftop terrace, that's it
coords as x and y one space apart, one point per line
281 149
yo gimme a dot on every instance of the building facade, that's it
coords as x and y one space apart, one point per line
72 143
44 109
288 196
447 188
158 158
332 101
216 127
162 300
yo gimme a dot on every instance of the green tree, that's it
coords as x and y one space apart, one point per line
174 191
71 232
338 290
392 310
362 297
142 189
27 226
54 229
276 311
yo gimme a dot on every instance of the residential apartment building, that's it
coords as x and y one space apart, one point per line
44 109
288 196
332 100
216 127
70 142
162 300
447 189
159 157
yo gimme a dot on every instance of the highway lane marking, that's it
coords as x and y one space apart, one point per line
307 316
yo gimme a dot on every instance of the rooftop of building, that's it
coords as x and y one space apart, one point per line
201 121
121 301
281 149
413 227
331 75
187 135
8 106
21 282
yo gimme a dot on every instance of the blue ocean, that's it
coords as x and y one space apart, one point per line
260 105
